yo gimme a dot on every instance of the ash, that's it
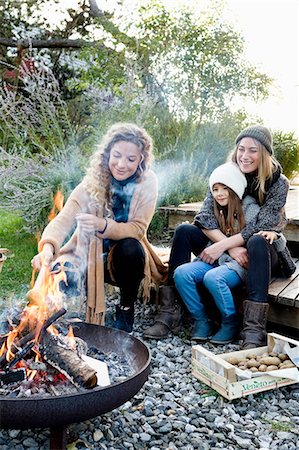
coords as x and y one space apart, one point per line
48 382
119 366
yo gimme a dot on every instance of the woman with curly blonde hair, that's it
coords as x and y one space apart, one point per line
109 211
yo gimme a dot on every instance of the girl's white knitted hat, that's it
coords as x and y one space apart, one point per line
230 175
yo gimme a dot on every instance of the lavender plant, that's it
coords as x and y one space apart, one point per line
38 150
28 184
33 115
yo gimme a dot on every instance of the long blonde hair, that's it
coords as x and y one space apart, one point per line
98 176
268 164
231 219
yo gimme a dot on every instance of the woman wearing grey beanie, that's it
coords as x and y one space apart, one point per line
250 248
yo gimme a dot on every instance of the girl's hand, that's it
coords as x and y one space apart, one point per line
90 223
240 255
211 253
44 258
271 236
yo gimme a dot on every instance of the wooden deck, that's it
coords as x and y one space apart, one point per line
284 300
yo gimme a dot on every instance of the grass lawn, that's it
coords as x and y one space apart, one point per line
16 273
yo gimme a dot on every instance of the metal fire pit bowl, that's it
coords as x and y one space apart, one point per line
57 412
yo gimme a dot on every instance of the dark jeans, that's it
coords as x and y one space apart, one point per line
187 239
262 263
128 269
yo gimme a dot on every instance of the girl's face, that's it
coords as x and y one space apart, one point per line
247 155
220 193
124 160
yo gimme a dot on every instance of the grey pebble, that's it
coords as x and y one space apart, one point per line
175 411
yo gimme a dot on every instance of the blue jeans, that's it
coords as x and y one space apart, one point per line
217 279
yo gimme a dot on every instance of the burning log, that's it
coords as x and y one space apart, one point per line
12 376
32 335
57 352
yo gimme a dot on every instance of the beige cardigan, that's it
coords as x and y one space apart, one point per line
85 251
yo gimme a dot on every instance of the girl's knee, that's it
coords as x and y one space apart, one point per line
209 279
179 273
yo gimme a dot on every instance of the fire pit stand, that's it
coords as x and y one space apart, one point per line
58 412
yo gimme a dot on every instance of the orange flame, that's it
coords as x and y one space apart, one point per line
44 299
57 205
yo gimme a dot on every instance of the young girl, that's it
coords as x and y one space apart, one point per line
227 184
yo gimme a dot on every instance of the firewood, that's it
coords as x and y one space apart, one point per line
12 376
57 352
30 336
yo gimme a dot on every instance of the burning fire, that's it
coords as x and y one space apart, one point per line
44 299
57 205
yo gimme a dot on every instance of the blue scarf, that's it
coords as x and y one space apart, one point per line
122 193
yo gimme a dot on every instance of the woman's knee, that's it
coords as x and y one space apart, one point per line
129 248
256 242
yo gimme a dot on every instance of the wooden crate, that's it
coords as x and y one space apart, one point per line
221 376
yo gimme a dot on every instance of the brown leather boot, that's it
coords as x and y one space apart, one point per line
254 332
168 317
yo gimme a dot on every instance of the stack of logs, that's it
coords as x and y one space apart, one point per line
56 350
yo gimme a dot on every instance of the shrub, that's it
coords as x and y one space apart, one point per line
28 184
286 150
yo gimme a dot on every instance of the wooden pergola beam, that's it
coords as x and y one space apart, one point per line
46 43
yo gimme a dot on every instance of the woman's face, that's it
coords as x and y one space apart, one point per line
124 160
247 155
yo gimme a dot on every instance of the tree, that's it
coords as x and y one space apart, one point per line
192 65
197 63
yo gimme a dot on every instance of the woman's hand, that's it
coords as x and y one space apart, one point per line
240 255
44 258
90 223
211 253
271 236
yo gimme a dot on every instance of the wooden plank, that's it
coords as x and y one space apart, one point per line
284 315
279 284
290 292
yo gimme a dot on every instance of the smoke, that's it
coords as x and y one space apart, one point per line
181 181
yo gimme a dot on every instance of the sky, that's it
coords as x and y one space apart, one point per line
271 31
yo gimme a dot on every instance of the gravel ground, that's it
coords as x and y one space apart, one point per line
174 410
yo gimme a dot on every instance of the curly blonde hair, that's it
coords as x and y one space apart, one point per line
268 164
98 176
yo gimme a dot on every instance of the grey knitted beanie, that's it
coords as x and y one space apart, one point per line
262 134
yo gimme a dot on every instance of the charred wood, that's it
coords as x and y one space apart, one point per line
32 335
57 352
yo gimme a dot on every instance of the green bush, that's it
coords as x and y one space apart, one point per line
286 150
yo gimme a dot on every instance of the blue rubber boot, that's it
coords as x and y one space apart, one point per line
228 330
202 330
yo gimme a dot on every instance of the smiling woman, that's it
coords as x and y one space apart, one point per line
110 210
